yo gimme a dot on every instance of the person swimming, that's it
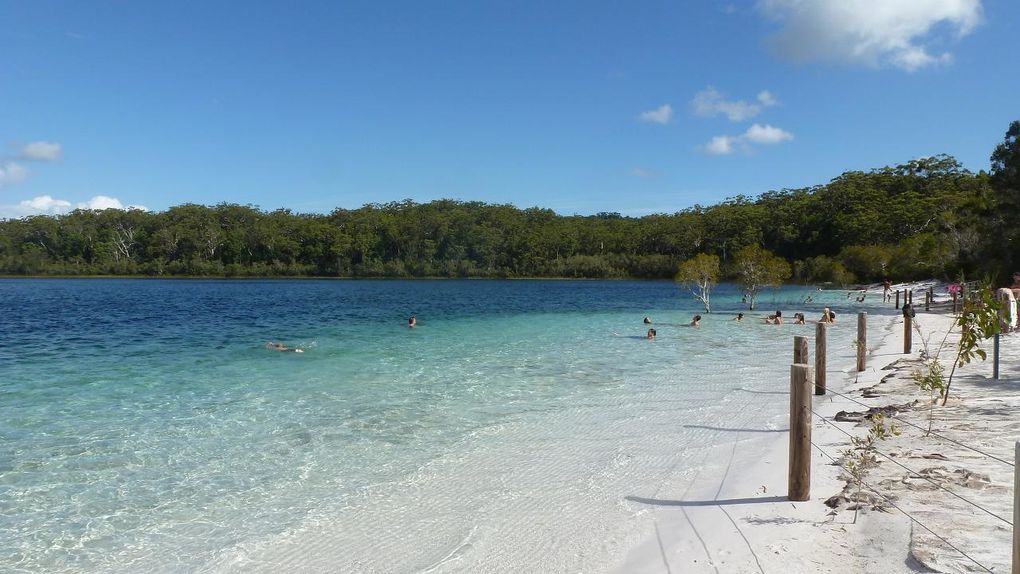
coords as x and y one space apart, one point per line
739 317
412 321
798 319
776 319
696 321
280 347
648 321
651 335
827 316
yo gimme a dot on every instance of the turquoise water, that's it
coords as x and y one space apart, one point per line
144 427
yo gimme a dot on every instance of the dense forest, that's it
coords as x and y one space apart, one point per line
928 217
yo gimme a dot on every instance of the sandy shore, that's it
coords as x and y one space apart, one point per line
932 504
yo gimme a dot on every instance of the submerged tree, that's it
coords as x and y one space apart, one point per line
756 268
700 274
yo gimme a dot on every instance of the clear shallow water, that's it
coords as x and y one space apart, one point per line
144 427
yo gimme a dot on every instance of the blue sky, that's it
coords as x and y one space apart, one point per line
637 107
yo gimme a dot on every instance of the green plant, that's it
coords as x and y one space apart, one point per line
932 377
978 320
860 458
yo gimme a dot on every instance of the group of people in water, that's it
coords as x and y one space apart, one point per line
776 318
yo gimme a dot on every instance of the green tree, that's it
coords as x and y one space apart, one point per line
700 274
1006 183
756 267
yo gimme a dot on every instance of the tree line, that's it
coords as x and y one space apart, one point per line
928 217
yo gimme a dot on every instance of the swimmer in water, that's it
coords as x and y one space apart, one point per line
696 321
282 348
412 321
648 321
651 335
739 317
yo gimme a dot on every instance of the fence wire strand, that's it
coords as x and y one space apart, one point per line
905 513
917 474
908 423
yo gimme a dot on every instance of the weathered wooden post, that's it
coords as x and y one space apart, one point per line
908 325
927 300
995 359
897 298
800 349
799 485
862 341
821 334
910 297
955 308
1016 509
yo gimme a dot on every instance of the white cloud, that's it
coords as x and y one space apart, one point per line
757 134
11 173
870 32
101 202
661 115
710 103
720 145
766 134
42 151
47 205
766 98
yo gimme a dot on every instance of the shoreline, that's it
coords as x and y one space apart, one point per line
735 517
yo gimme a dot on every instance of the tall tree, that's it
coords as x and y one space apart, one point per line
1006 182
756 267
700 274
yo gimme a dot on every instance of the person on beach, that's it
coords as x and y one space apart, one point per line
886 288
648 321
739 317
827 316
412 321
280 347
651 335
696 321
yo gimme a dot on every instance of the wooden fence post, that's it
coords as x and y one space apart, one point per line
799 485
927 299
908 324
897 298
800 349
1016 510
955 309
862 341
821 334
995 359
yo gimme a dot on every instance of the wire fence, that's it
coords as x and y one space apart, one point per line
904 512
934 434
915 473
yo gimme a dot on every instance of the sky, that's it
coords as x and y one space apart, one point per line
583 107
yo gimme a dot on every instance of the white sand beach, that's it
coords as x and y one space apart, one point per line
932 503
